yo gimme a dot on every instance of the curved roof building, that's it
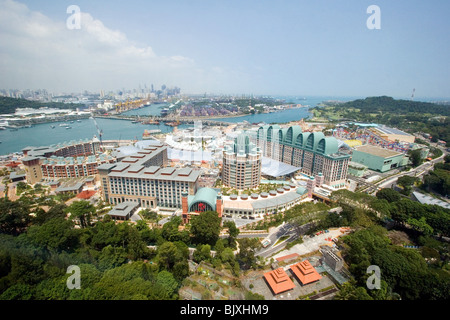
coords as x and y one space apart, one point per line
313 152
204 200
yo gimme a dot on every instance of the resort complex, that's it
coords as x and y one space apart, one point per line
312 152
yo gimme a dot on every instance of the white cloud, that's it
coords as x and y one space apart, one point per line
38 52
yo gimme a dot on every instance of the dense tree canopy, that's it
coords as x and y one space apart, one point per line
205 227
9 105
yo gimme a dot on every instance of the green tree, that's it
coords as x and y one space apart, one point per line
203 253
18 291
168 254
14 216
420 225
205 228
81 211
350 291
247 249
111 257
166 280
56 211
233 232
219 246
55 234
171 233
389 195
406 182
415 157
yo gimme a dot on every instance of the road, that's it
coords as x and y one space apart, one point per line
282 230
415 172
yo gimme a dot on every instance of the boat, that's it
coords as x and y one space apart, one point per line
172 124
150 122
68 127
78 120
148 133
53 127
63 124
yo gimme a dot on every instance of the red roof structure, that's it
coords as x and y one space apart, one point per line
13 164
289 256
86 194
305 272
279 281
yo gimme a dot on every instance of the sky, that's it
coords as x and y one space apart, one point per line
260 47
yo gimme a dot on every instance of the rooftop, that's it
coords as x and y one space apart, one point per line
274 168
377 151
424 199
305 272
123 209
279 281
261 203
388 130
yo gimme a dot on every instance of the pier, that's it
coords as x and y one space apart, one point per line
181 120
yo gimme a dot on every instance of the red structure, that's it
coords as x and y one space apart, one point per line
278 281
305 272
86 194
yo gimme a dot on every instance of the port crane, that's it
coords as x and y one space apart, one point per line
99 131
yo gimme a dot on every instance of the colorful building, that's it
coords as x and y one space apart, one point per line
311 151
205 199
66 160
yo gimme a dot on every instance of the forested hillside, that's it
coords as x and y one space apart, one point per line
9 105
410 116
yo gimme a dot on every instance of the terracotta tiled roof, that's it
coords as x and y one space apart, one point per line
86 194
305 272
289 256
278 281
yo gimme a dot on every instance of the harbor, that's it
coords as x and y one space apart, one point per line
122 127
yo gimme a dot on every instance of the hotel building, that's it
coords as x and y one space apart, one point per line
67 160
311 151
143 178
241 164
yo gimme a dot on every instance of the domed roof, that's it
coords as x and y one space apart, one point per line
205 195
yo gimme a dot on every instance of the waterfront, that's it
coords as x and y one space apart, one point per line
44 135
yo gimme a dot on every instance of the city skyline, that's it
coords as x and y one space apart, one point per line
261 48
